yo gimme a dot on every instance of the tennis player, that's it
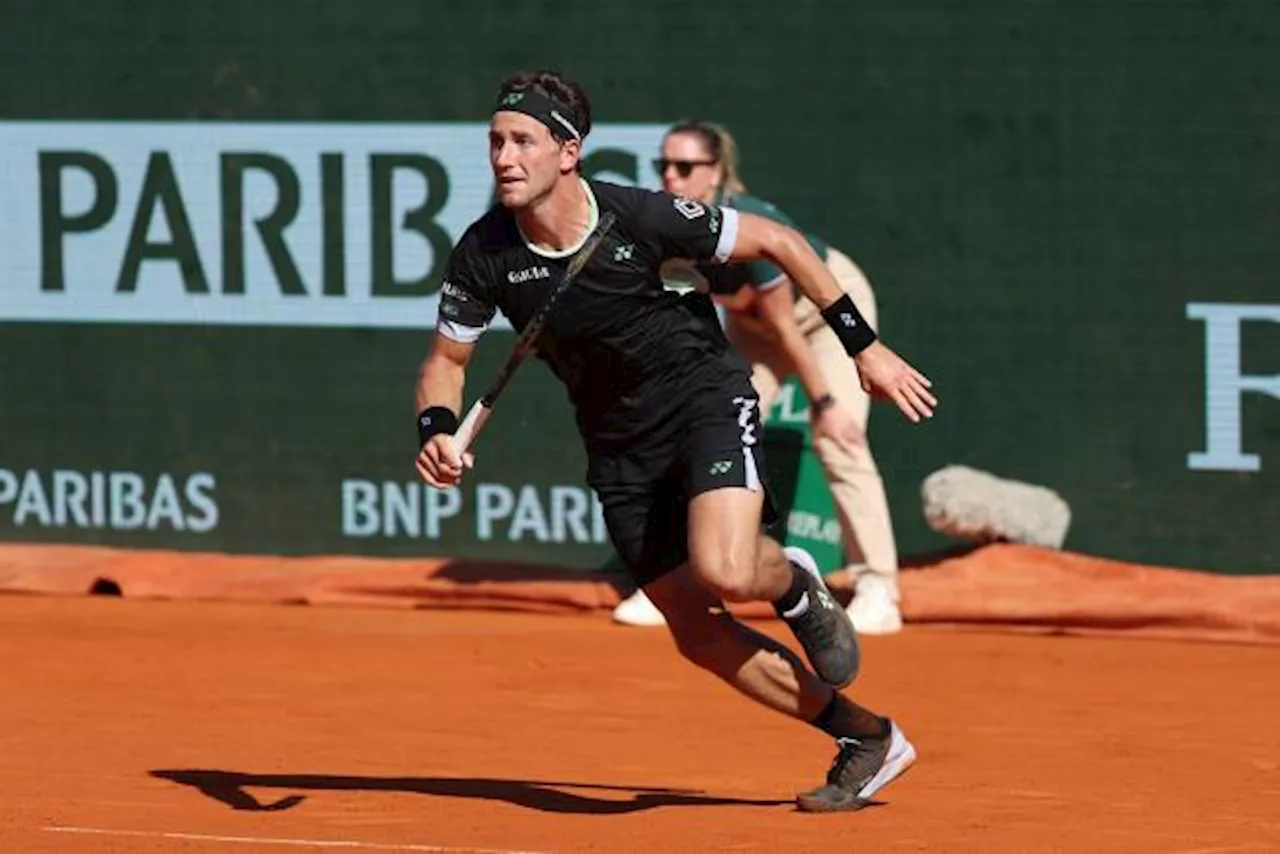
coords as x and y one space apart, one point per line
666 409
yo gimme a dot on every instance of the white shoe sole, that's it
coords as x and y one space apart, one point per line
901 756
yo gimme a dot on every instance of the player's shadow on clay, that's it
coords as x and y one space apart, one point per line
230 787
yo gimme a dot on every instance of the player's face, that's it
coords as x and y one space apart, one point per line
687 168
526 159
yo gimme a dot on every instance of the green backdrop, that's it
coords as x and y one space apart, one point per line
1038 190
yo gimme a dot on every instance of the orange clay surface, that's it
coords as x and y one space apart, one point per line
200 727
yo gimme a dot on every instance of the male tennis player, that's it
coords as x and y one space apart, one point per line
666 409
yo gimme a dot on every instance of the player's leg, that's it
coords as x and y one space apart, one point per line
706 634
728 555
871 750
647 522
638 609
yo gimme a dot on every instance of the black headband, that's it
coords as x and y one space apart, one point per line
556 116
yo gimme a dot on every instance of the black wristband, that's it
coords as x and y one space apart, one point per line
850 327
433 420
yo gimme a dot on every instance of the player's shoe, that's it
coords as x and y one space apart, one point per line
863 767
822 626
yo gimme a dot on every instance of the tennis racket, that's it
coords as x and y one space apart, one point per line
479 412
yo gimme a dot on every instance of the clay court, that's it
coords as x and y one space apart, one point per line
153 726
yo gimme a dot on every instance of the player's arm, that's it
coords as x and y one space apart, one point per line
442 374
464 314
882 371
684 228
761 238
438 400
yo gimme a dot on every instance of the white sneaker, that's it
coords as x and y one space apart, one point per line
873 610
637 610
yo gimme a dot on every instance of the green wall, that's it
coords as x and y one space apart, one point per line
1038 190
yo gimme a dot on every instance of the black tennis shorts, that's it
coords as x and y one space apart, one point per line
645 492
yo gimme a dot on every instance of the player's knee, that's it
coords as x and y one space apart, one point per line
729 574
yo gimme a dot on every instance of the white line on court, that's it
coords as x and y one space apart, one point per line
296 843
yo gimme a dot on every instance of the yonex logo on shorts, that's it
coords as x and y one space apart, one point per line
721 467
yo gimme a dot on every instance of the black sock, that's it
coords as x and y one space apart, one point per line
788 601
841 718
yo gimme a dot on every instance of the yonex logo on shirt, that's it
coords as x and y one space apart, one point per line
623 253
721 467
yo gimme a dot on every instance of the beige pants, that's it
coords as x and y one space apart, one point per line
856 487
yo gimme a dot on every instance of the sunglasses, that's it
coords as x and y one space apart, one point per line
684 168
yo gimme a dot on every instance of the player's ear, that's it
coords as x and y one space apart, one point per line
570 155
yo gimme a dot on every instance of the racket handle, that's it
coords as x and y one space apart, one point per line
470 426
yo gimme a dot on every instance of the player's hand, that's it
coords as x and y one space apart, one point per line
838 425
886 374
440 464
